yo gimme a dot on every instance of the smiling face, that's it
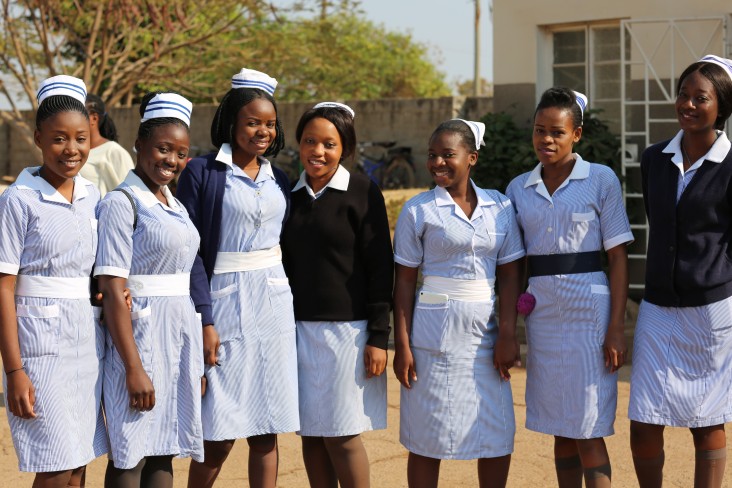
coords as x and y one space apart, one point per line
449 159
696 104
554 135
320 151
64 142
161 156
254 130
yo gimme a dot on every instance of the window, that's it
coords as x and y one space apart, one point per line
588 59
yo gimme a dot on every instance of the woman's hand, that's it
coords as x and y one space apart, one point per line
404 366
125 293
506 355
211 345
21 395
375 361
140 389
614 348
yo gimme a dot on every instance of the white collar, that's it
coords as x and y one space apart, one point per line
716 153
27 181
443 197
339 181
144 194
580 171
225 156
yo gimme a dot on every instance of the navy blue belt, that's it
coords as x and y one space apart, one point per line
559 264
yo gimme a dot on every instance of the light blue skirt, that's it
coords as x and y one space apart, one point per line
682 365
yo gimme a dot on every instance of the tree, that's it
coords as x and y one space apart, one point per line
121 48
344 56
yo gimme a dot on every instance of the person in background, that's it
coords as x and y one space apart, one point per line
108 162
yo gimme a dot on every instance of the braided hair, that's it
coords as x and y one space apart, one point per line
146 128
224 122
562 98
95 105
459 127
56 104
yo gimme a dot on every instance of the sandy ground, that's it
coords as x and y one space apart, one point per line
532 464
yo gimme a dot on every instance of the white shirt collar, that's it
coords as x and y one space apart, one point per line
580 171
443 198
27 181
716 153
225 156
339 181
144 194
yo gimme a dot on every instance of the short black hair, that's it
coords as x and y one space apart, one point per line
146 128
722 83
563 98
343 122
56 104
224 122
458 127
95 105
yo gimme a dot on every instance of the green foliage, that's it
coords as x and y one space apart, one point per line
509 150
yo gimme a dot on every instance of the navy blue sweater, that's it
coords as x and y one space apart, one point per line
201 188
689 260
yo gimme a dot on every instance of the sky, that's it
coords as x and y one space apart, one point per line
446 26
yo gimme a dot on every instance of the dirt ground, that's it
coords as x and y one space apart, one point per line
532 463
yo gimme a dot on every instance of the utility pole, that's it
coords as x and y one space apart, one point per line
323 9
476 60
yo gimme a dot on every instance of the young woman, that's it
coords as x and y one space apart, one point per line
461 237
337 253
569 209
51 348
682 360
154 363
239 201
108 162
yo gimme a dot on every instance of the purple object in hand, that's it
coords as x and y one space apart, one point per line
526 303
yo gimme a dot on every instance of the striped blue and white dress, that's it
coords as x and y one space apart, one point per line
254 390
61 344
682 356
569 391
166 330
459 408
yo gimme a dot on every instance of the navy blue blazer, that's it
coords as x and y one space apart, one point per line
201 188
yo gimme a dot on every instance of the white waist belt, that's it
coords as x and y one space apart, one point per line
164 285
462 290
231 262
51 287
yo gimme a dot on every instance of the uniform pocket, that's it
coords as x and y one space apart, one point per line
39 327
280 299
429 321
583 216
601 303
227 312
141 331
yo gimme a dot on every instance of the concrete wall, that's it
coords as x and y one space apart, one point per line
409 122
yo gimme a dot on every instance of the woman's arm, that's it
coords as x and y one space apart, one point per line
404 289
20 392
614 347
118 322
506 353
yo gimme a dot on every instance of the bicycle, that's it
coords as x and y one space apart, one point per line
392 169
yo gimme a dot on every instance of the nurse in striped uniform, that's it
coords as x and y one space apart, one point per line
451 354
569 209
238 201
51 347
154 363
682 359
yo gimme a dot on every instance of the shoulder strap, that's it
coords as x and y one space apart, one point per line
134 206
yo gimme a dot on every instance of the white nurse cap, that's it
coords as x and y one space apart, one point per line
62 85
250 78
581 101
726 64
168 105
478 129
341 106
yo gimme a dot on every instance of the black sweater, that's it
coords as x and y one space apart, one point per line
689 257
337 254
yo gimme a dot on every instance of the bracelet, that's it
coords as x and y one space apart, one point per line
7 373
